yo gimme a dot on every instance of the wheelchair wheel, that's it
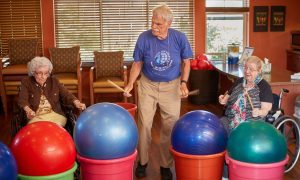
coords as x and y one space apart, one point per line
291 131
18 121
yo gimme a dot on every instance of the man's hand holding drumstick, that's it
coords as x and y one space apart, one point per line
191 93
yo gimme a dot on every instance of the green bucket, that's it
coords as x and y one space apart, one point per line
67 175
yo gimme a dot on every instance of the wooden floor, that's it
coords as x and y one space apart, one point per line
153 167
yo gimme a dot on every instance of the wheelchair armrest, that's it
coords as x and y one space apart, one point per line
271 112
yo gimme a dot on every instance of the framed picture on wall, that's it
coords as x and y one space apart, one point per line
260 20
277 18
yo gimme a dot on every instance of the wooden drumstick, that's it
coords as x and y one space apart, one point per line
246 92
115 85
194 92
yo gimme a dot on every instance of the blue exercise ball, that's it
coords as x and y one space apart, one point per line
199 133
8 164
105 131
256 142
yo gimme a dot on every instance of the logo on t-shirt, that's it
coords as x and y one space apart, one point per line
162 61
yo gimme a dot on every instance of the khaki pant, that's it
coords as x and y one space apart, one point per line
167 96
52 117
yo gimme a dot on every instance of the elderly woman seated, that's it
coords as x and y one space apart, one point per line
41 94
250 98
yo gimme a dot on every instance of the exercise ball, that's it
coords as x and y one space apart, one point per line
105 131
43 148
256 142
199 133
8 165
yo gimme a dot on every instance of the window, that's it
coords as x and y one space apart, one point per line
19 19
226 23
111 25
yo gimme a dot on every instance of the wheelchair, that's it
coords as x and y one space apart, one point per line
288 126
20 120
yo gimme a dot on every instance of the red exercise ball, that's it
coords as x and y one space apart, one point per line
202 57
203 65
194 64
42 149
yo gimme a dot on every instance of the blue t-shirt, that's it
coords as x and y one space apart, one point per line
162 58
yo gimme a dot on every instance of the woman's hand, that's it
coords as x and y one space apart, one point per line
256 112
263 111
223 99
29 112
79 105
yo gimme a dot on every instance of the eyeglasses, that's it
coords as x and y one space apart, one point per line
38 73
249 68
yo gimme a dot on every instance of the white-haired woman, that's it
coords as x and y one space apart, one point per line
41 94
249 98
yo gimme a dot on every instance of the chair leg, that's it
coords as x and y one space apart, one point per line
4 102
91 97
3 94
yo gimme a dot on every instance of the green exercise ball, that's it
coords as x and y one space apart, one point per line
257 142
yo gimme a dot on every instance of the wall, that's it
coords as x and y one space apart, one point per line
273 45
200 26
47 9
266 44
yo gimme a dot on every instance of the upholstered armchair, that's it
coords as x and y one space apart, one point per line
67 68
21 51
108 65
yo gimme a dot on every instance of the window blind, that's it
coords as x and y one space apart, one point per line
227 5
19 19
112 25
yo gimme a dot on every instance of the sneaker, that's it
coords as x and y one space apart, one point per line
166 173
140 170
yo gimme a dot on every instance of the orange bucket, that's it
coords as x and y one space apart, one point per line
198 166
130 107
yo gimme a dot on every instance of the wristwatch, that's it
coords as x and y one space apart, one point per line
183 81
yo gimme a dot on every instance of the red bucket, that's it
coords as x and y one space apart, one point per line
130 107
241 170
113 169
198 167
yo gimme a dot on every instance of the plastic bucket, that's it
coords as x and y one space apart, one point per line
114 169
67 175
240 170
130 107
198 166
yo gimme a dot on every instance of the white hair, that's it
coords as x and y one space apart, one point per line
164 11
37 63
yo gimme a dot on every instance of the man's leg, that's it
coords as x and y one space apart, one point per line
169 103
147 93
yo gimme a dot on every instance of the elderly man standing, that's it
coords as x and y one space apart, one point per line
161 57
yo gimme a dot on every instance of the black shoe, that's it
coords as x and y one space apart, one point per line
140 170
166 173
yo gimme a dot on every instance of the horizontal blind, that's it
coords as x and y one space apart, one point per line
112 25
227 3
122 22
77 22
19 19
